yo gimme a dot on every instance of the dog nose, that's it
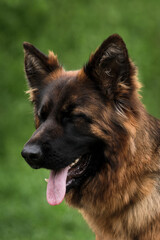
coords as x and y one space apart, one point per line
32 154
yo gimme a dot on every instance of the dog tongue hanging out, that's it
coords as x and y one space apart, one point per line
94 135
56 187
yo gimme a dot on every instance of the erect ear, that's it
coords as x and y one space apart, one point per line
38 65
111 68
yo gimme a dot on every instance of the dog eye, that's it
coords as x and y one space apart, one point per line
43 114
74 117
65 117
83 117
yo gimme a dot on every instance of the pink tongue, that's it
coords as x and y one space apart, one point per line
56 187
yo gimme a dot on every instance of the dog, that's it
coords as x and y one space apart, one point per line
101 145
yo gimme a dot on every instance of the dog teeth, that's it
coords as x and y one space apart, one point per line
46 180
75 162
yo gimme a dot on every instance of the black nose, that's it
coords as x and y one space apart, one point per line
32 153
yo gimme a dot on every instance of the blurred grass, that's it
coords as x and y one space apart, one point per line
73 29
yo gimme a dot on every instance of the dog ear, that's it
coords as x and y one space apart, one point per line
38 65
111 68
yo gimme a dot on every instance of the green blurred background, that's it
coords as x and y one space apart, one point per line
72 29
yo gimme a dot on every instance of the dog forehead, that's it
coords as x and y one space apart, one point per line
69 87
60 84
62 75
63 82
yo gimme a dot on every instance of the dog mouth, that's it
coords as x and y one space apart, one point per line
62 181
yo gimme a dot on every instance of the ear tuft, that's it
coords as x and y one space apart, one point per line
32 93
52 59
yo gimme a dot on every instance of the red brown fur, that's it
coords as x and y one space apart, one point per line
122 200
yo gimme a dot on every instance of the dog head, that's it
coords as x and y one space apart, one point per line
81 117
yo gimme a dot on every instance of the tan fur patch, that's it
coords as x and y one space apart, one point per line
53 60
54 75
32 92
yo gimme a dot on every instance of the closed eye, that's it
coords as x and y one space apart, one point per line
65 117
43 114
82 116
70 117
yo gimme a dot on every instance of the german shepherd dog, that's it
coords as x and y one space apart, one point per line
94 134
